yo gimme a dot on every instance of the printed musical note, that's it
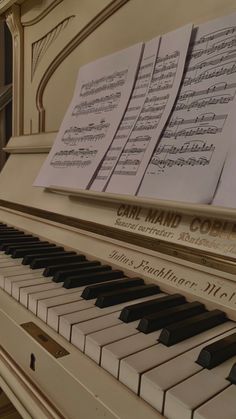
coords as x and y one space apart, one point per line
161 95
101 96
194 142
135 105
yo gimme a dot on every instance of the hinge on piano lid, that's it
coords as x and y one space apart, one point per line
45 340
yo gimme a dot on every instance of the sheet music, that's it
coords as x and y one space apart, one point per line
101 96
226 189
159 101
130 116
187 162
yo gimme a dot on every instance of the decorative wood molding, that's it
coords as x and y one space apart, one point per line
40 46
32 143
44 13
5 96
15 27
68 49
6 4
7 410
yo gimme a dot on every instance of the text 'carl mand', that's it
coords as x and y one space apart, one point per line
153 216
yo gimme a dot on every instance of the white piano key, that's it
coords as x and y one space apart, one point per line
64 296
184 398
79 331
54 313
37 296
18 285
95 342
113 353
9 280
13 270
10 262
221 406
156 382
67 321
133 366
4 257
25 292
2 253
153 386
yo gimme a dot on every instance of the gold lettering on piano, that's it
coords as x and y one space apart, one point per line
145 267
210 234
214 228
153 216
213 288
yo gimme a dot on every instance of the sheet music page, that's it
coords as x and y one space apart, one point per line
159 101
101 96
188 160
226 191
130 116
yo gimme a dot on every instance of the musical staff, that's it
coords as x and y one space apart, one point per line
201 116
131 115
110 82
188 147
161 95
180 162
98 105
101 96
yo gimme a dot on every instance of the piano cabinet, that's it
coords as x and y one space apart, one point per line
42 373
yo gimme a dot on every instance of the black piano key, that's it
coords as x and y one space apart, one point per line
232 375
62 276
5 227
163 318
28 259
117 297
12 248
9 231
20 240
57 258
42 249
185 329
82 280
13 238
217 352
55 270
139 310
93 291
12 234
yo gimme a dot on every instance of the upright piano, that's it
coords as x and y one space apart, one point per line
61 354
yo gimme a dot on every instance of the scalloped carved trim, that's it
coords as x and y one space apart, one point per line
83 34
15 27
43 14
40 46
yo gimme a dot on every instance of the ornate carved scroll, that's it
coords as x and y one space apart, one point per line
43 14
40 46
80 37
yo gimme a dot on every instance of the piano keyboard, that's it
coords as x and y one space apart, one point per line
177 356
